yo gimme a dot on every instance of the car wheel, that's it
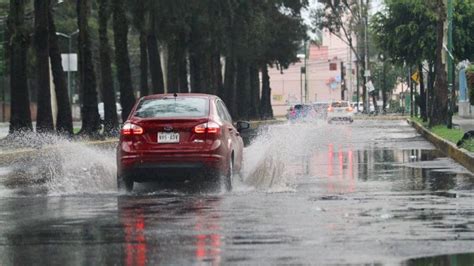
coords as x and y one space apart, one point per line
229 175
124 183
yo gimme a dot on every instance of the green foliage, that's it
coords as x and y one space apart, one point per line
453 135
468 145
406 30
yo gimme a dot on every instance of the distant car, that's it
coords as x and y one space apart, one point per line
100 106
180 136
340 111
301 112
321 109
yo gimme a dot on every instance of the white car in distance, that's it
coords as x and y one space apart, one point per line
340 111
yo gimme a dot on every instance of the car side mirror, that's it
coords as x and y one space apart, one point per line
242 125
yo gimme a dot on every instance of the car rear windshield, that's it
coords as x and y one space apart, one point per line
173 107
339 104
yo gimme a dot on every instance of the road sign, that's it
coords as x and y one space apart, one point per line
69 62
370 86
416 77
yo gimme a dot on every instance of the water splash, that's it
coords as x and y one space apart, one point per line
61 167
269 162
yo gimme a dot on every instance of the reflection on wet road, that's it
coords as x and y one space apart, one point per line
369 192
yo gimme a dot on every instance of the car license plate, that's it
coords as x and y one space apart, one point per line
168 137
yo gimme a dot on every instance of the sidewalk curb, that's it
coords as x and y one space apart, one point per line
461 156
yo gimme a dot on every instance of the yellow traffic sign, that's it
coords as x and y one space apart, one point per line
416 77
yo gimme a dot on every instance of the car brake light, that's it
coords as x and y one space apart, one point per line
349 109
209 127
131 129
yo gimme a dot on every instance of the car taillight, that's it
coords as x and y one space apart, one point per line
349 109
330 109
131 129
209 127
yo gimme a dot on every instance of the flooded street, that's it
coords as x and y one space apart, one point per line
367 192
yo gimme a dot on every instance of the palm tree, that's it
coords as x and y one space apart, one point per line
20 120
89 111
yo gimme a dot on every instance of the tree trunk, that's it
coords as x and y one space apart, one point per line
177 64
120 25
64 118
20 119
89 110
156 71
111 123
266 110
230 85
254 91
422 94
44 120
440 101
431 79
243 92
217 74
384 89
143 65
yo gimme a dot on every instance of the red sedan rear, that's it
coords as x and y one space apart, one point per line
168 137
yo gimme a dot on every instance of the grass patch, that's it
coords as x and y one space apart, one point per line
468 145
453 135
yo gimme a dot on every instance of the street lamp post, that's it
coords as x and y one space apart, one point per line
69 37
302 70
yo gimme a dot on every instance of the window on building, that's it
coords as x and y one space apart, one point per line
333 66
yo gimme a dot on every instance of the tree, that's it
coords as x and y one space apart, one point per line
154 58
140 21
89 110
440 101
107 89
20 120
44 120
122 60
64 117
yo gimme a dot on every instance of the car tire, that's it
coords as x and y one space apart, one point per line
228 176
124 183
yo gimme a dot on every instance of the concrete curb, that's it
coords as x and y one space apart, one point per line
461 156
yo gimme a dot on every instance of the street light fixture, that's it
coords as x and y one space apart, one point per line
69 37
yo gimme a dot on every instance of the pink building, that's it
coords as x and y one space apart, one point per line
323 80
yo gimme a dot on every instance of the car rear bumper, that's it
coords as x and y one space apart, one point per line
169 167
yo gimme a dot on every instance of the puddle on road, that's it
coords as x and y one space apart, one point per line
455 259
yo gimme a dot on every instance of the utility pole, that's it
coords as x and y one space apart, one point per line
3 69
306 96
343 82
366 46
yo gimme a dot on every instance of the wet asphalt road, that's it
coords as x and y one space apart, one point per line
368 192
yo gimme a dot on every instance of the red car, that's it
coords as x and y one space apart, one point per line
171 136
